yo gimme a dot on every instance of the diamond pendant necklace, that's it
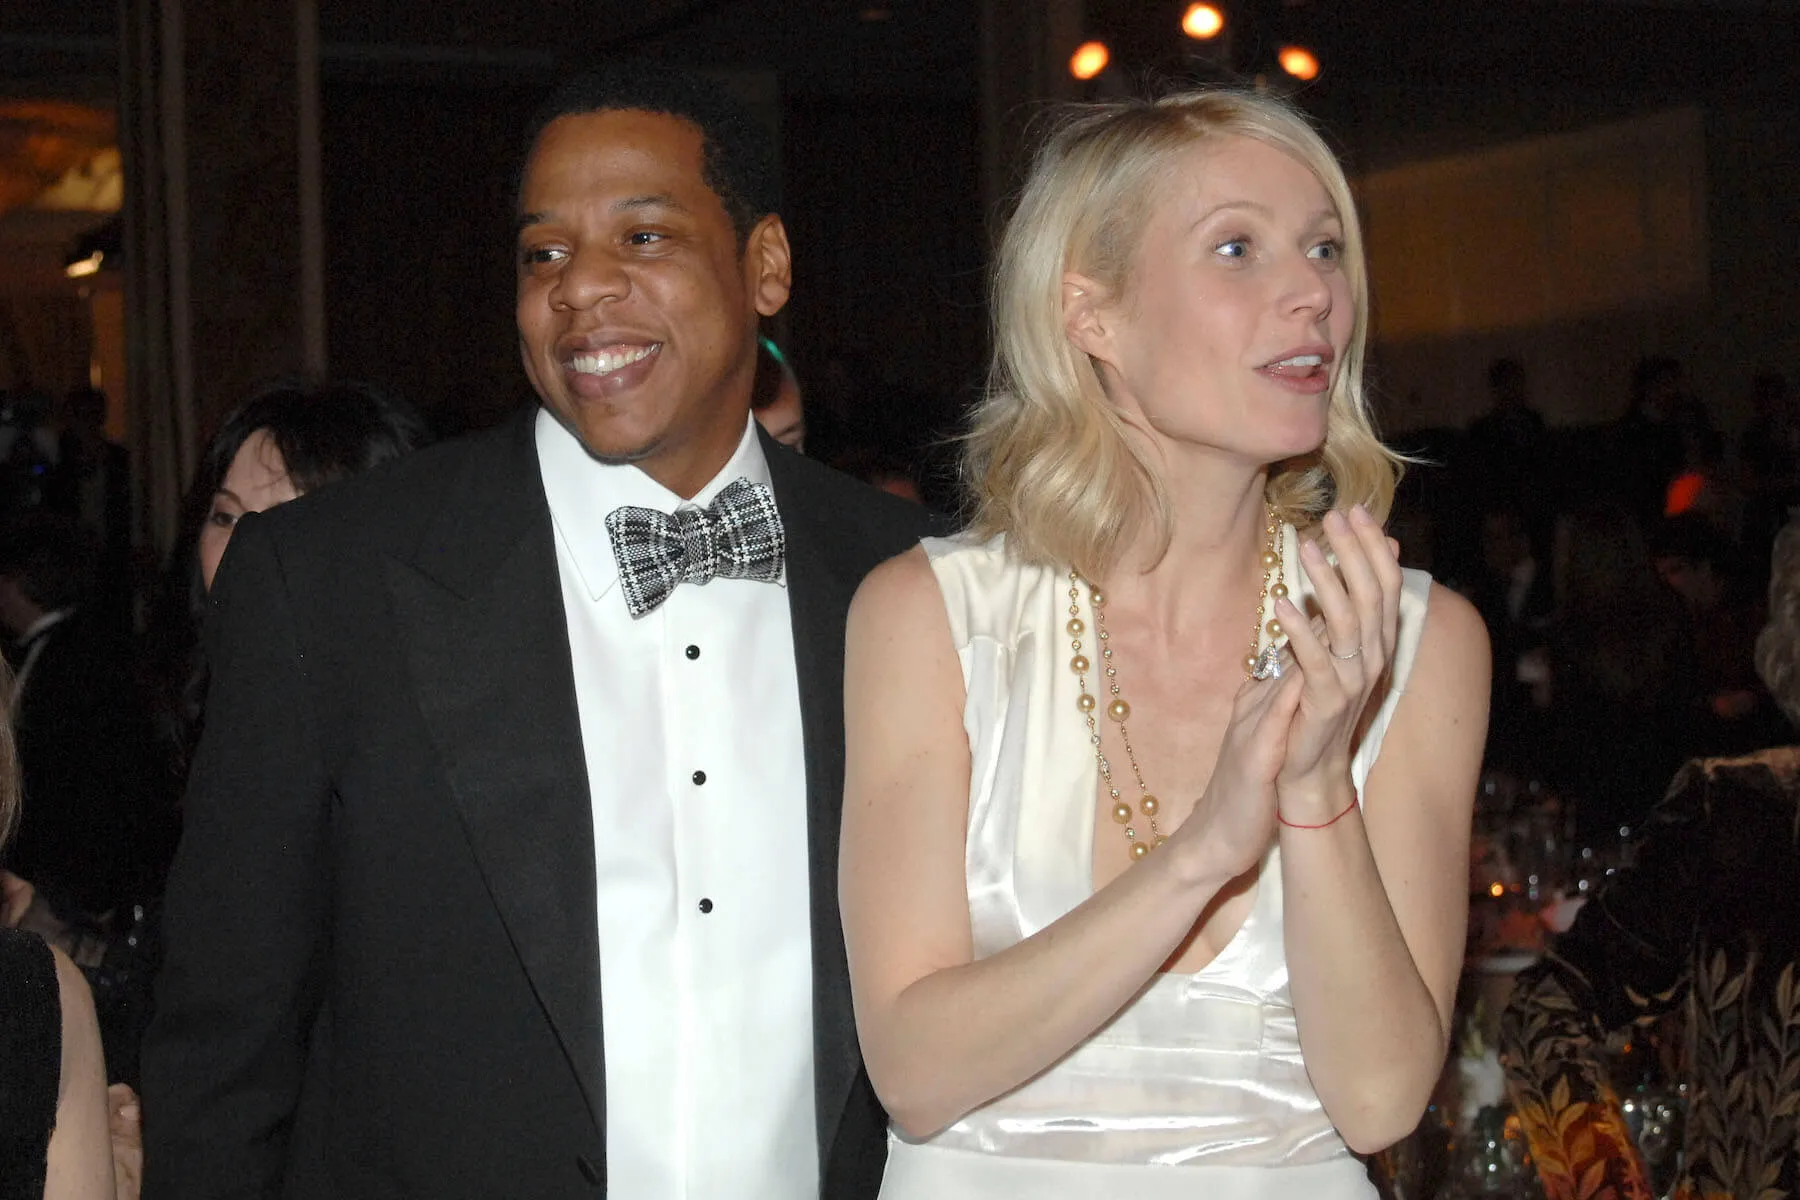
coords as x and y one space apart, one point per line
1258 664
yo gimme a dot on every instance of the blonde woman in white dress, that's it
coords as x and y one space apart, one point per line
1156 824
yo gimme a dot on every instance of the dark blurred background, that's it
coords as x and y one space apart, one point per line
313 186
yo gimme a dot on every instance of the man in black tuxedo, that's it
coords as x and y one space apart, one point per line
510 860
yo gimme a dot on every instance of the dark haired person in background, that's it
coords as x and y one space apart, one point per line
548 829
291 439
285 441
91 484
101 774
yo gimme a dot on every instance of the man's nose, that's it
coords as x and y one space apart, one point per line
591 276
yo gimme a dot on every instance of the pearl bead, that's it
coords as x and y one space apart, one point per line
1076 627
1080 664
1270 559
1149 805
1122 812
1139 849
1279 591
1250 662
1274 627
1118 710
1086 703
1097 598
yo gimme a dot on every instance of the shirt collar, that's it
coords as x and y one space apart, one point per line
582 491
43 625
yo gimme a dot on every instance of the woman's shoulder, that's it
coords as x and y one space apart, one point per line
987 559
989 589
984 590
1447 613
965 544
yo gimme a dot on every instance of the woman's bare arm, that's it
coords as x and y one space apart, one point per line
80 1159
1377 903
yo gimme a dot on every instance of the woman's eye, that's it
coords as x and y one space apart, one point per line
1234 248
533 256
220 519
1329 250
644 237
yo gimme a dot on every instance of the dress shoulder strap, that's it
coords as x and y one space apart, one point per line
988 594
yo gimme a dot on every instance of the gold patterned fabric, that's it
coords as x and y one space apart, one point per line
1708 922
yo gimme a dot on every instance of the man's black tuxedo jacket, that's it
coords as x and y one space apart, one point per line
383 973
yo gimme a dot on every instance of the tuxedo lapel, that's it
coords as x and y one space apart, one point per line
479 607
820 586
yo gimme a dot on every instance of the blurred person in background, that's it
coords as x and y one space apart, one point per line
1769 460
1705 921
1504 452
107 749
91 484
1513 591
28 451
775 399
1704 567
285 441
97 797
1649 449
1618 681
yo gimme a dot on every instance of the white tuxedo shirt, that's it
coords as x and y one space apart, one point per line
690 721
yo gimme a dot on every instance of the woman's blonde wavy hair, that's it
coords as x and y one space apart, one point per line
1048 460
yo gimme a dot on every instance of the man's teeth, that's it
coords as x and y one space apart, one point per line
1300 360
607 361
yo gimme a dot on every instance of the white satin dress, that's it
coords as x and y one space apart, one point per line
1196 1089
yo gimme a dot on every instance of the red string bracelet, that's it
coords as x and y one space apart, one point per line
1296 825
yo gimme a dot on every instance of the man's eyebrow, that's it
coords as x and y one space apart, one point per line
628 204
658 200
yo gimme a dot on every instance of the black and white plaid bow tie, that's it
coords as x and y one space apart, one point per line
737 536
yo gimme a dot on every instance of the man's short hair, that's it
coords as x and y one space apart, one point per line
738 155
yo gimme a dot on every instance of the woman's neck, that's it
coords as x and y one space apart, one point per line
1218 528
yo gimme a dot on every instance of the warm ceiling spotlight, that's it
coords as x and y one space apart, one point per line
876 13
1089 59
1203 22
1299 62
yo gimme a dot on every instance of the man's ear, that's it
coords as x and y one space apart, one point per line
769 265
1086 317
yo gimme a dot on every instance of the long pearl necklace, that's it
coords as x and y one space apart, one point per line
1259 664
